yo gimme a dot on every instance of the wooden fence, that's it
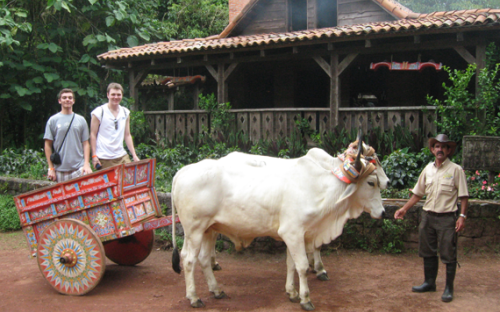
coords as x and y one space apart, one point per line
277 123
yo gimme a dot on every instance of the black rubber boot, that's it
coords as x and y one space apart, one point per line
430 271
451 269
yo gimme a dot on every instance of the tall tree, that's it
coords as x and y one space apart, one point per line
47 45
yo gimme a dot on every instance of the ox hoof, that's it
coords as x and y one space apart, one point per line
323 277
198 304
216 267
222 295
294 299
307 306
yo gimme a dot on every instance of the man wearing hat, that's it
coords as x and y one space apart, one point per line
443 182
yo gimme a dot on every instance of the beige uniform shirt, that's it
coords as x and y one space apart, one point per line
443 186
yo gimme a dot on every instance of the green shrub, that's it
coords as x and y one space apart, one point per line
24 163
9 219
166 237
463 112
403 168
392 233
139 127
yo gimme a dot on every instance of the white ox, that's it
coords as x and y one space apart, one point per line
243 196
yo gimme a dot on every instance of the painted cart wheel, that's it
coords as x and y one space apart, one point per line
71 257
130 250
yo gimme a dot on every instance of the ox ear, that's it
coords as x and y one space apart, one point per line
351 188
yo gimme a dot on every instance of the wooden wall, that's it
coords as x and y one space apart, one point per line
351 12
270 17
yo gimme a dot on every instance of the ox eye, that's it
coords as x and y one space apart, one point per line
371 184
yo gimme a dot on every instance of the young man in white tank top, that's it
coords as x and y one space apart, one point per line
109 127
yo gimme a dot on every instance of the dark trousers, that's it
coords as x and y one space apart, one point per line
437 233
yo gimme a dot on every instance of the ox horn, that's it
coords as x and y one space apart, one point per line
357 163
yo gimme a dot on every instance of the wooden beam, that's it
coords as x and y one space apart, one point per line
346 61
230 70
140 77
469 58
133 90
134 82
221 84
170 100
323 64
334 91
212 72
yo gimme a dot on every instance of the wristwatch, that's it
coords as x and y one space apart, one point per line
463 216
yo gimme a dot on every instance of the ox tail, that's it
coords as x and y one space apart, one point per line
176 259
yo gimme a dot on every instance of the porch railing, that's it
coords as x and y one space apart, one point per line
274 123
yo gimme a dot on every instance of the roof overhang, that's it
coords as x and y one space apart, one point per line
337 38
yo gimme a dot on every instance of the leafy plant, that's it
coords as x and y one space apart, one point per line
23 163
392 235
139 127
479 186
403 168
462 112
165 237
9 219
220 118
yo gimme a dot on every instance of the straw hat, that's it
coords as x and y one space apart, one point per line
443 138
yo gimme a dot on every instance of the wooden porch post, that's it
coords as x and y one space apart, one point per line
170 100
221 85
221 76
133 89
134 81
334 91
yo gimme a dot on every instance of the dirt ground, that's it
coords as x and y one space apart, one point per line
359 281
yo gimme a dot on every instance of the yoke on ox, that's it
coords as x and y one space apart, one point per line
299 201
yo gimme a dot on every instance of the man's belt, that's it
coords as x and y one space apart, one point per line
444 214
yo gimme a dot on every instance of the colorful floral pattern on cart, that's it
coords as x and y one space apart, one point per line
101 220
95 198
136 175
81 251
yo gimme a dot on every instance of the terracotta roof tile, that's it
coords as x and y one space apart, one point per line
433 20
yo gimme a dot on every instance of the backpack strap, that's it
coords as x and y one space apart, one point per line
62 143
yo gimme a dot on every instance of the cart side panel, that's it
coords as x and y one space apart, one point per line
140 205
71 195
139 174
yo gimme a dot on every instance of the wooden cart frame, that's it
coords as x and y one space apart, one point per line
72 225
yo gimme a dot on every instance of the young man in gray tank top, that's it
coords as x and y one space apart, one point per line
74 147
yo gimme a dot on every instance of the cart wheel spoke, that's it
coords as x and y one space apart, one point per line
71 257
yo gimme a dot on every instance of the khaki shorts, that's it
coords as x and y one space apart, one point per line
62 176
106 163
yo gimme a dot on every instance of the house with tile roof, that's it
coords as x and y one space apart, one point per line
347 63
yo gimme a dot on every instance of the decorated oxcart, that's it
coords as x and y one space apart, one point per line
72 226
